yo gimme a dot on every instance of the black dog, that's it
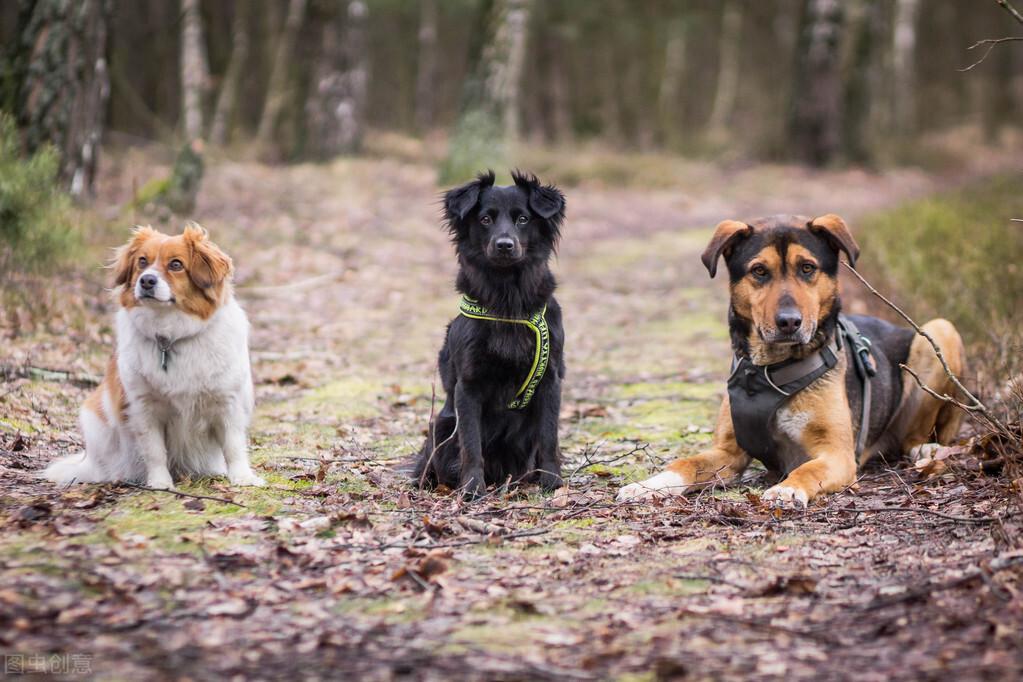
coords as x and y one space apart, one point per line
502 363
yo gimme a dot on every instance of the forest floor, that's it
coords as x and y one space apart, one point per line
340 568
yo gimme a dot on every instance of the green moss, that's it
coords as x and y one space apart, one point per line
349 398
16 425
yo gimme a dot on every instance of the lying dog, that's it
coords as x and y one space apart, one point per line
177 396
796 396
502 361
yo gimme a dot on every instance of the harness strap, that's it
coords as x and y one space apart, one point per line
863 361
538 323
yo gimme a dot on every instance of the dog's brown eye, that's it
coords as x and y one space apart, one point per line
808 268
176 265
485 220
522 220
758 271
143 261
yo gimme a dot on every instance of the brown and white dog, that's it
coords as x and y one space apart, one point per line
177 397
784 309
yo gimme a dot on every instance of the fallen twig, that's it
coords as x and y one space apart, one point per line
178 493
46 374
995 565
291 287
911 510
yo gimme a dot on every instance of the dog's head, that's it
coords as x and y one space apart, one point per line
505 227
187 272
784 275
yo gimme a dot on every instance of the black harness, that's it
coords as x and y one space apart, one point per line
757 392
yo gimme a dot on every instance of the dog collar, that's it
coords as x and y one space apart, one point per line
470 308
165 346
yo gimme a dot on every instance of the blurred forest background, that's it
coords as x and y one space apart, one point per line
614 91
813 81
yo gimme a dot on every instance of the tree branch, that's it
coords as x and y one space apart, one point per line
991 43
1007 6
975 406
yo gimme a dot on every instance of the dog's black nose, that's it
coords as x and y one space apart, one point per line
504 244
788 321
147 281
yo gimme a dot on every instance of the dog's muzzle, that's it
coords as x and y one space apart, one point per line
504 251
151 287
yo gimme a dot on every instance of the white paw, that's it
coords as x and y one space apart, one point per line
160 480
664 484
786 496
923 451
245 478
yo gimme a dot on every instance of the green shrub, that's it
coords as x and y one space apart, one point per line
36 229
957 256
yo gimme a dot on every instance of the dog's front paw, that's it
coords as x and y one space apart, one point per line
160 480
549 482
664 484
473 486
784 495
245 477
923 451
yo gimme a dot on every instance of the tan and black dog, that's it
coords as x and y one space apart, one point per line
796 393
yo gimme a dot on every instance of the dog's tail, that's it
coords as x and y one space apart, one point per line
77 468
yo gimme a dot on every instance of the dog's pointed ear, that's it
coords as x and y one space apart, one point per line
125 257
209 266
459 201
546 201
834 229
726 235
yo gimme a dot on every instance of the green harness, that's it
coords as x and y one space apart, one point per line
538 323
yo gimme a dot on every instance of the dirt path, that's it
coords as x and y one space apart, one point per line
340 568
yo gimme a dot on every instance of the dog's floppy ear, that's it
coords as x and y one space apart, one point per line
210 266
460 200
726 234
546 201
834 229
126 256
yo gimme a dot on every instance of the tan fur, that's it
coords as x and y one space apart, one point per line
112 387
818 420
199 288
923 418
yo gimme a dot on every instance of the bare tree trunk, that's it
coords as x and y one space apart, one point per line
904 65
671 82
336 109
864 27
226 101
194 74
277 89
504 57
815 123
426 72
730 45
560 98
62 83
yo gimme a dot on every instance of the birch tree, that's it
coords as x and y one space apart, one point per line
194 72
336 108
815 123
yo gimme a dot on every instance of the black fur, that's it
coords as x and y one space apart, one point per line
483 363
890 344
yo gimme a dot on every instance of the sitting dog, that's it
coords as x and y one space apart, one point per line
502 361
177 396
812 393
